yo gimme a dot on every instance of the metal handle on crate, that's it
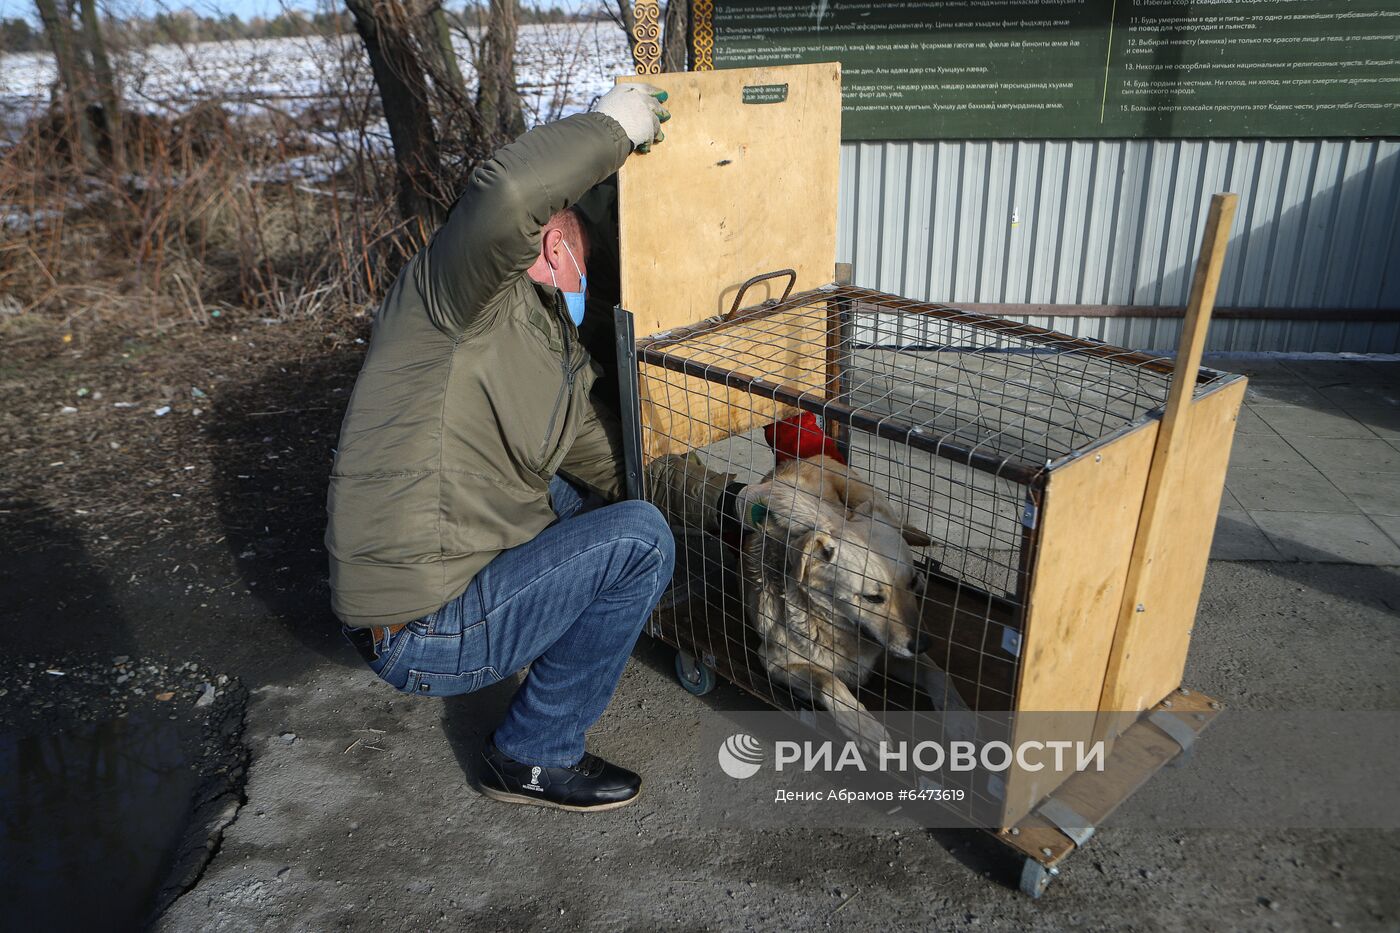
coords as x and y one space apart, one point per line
738 299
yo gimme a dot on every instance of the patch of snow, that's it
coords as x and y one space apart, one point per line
560 69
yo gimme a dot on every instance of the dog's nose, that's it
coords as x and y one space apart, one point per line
921 643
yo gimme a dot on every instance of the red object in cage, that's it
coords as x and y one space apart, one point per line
800 437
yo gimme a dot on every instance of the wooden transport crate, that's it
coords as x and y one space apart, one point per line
1070 488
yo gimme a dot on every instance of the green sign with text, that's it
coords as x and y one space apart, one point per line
765 93
999 69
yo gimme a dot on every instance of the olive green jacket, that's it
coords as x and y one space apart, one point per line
474 392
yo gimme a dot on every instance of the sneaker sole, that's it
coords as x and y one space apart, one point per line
504 797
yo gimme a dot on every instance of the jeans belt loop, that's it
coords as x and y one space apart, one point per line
385 633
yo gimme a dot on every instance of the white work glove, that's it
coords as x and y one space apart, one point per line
637 109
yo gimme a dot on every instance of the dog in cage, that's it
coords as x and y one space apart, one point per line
831 586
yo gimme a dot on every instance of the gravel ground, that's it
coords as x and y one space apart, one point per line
68 695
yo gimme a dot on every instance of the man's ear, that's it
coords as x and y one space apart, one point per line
814 546
550 249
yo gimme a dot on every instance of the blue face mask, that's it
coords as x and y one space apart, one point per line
574 301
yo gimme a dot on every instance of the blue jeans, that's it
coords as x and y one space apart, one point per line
569 603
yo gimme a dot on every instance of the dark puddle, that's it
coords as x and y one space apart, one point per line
91 820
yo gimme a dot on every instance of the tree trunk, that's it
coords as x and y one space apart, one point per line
106 84
675 43
497 99
628 21
72 76
387 32
441 39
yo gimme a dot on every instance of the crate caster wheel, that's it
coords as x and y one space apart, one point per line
694 676
1035 878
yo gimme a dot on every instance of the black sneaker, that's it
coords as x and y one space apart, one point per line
592 784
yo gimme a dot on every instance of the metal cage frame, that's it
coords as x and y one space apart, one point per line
1132 387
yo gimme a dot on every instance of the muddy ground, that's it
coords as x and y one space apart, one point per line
194 536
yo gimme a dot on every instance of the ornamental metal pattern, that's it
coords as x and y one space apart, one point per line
646 37
702 17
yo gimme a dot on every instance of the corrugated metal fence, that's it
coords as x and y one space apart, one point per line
1118 223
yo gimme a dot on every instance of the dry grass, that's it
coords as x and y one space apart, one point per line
220 204
213 216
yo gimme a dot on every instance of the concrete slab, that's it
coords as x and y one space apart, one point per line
1265 452
1362 395
1249 422
1257 368
1228 501
1323 373
1376 494
1286 491
1383 420
1284 393
1390 524
1237 537
1301 421
1337 454
1328 538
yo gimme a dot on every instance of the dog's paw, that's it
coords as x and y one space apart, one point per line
959 722
862 728
960 725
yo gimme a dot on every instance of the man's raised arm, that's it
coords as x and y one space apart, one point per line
492 234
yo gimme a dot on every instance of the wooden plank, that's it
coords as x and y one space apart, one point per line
1193 343
1179 505
837 328
1139 753
1085 534
835 360
1149 651
1088 518
734 190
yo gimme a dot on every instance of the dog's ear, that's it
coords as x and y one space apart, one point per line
859 493
815 546
914 537
853 493
865 510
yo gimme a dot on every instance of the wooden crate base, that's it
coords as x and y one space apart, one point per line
1140 751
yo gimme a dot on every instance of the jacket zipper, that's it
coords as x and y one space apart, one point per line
566 393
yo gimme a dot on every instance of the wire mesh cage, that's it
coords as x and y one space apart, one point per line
907 447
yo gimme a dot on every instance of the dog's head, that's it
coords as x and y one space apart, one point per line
862 570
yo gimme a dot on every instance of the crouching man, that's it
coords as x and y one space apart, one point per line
462 543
